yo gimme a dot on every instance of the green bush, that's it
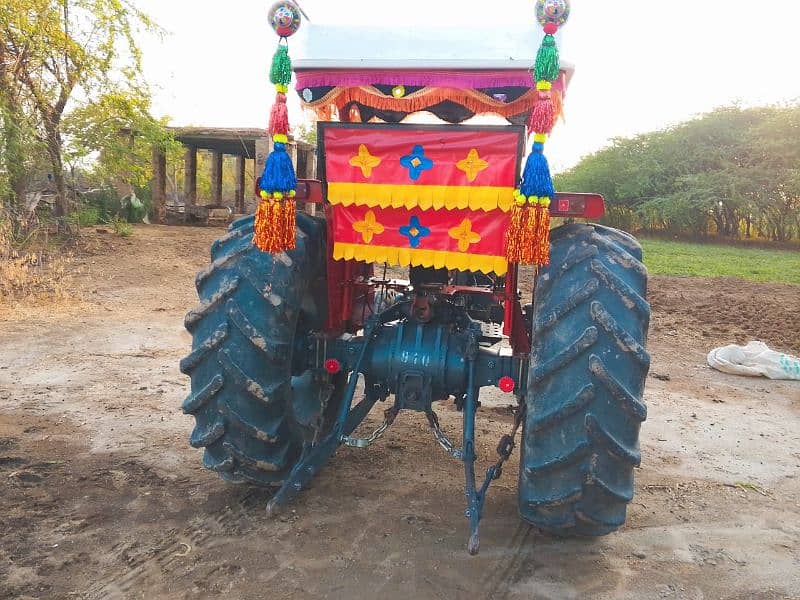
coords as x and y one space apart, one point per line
120 226
86 216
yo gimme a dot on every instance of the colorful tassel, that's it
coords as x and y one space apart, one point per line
279 116
547 65
280 73
528 238
542 236
536 180
516 230
275 227
543 115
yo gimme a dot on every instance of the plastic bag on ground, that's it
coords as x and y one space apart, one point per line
754 360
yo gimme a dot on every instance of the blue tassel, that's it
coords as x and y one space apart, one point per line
536 180
278 175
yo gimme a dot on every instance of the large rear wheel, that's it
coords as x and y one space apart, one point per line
585 384
253 397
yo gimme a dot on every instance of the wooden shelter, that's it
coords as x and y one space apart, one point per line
244 144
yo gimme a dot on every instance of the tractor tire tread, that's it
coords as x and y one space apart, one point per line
588 367
240 363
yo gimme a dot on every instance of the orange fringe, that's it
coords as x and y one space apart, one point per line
274 228
515 233
472 100
528 236
542 236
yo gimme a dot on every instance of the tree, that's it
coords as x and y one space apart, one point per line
117 132
730 171
12 125
63 50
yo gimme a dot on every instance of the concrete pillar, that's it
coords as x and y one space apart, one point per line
159 185
240 189
190 176
216 177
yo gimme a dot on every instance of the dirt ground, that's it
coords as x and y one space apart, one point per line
102 497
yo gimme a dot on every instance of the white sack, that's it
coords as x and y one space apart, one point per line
754 360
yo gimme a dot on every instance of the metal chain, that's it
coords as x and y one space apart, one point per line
440 436
506 444
388 418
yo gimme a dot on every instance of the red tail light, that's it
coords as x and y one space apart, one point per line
585 206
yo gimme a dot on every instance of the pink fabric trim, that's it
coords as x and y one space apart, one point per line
464 80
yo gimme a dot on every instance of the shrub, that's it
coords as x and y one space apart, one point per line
86 216
120 226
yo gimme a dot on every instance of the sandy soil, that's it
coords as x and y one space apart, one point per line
102 497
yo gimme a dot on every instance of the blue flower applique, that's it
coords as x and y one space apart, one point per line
416 162
414 231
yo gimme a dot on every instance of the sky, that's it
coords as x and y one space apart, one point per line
640 65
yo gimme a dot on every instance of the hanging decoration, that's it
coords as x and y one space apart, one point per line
528 238
275 217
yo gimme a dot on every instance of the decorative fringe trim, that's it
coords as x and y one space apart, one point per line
421 99
403 257
274 229
461 80
424 197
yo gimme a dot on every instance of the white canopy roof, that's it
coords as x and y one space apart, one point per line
341 47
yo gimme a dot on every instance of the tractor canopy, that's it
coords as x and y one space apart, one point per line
384 74
423 195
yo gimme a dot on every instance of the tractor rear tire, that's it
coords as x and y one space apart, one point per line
253 398
585 384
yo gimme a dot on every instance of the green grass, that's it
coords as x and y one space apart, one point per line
711 260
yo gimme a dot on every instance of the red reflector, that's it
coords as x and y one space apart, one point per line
333 366
586 206
506 384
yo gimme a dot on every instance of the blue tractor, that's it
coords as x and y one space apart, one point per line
292 348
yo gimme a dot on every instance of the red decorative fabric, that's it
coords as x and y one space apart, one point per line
498 149
489 226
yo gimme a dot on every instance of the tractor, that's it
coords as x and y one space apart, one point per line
293 348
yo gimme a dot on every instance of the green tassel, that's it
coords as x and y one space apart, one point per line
281 71
547 65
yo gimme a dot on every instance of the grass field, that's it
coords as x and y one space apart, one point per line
707 260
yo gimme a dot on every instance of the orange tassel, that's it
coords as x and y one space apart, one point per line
542 243
274 229
529 234
515 235
261 231
288 231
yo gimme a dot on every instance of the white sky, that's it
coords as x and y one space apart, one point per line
640 64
